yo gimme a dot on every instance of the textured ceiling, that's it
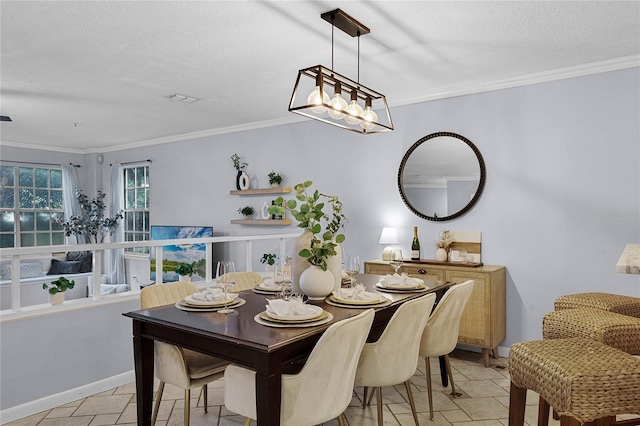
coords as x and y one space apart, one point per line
92 76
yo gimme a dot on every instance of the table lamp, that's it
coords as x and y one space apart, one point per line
629 262
389 236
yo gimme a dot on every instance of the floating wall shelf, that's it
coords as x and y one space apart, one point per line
262 222
262 191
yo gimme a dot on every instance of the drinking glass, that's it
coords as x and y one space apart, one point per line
352 267
282 276
224 267
396 261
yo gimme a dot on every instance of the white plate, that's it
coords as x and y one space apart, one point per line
265 288
323 320
403 286
401 290
189 300
235 304
378 299
317 310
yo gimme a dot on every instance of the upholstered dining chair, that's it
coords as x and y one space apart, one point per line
244 280
393 358
440 335
178 366
321 391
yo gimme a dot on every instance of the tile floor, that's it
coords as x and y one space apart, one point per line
484 402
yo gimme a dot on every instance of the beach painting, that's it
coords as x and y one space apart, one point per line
172 255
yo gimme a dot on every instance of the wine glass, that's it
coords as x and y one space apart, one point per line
282 276
224 267
352 267
396 260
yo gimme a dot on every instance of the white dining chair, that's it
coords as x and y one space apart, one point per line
175 365
321 391
440 334
393 358
244 280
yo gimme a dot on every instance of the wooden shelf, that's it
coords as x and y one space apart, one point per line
262 222
262 191
443 263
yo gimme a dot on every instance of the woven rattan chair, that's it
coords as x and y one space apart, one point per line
585 381
243 280
625 305
620 331
178 366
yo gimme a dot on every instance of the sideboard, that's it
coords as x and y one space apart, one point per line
483 322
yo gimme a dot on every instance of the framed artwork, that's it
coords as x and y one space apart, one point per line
172 255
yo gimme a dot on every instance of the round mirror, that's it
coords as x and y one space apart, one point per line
441 176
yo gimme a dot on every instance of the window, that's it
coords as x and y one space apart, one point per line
29 198
136 206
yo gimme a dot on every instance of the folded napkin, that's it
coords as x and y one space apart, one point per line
402 280
269 284
212 295
355 293
291 308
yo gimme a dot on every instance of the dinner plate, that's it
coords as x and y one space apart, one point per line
263 319
236 303
317 311
381 287
189 300
403 286
335 298
259 288
384 302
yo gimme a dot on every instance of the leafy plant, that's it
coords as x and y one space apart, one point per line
274 178
246 210
445 239
310 215
59 286
237 164
92 221
268 258
184 269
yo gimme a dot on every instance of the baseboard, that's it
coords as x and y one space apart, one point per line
52 401
503 351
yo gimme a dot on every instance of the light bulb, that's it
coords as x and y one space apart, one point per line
337 102
353 109
369 116
315 98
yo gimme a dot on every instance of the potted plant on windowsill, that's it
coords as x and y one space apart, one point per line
268 259
246 211
318 246
184 271
274 179
57 288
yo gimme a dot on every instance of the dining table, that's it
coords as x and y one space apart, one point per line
239 338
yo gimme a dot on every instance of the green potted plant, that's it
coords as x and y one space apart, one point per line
246 211
57 288
184 270
268 258
274 178
318 245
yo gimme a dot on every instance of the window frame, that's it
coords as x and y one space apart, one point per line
132 231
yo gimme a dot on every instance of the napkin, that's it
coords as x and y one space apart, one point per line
212 295
402 280
269 284
355 293
291 308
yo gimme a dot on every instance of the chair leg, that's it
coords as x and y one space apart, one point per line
407 385
427 368
517 403
453 385
341 420
205 394
187 406
543 412
379 399
373 392
156 406
247 421
364 397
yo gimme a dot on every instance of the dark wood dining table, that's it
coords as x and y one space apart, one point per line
238 338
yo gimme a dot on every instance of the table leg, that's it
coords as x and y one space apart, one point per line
143 361
268 396
443 372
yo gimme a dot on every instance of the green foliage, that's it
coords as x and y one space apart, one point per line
237 164
184 269
274 177
92 221
269 258
246 210
58 286
310 215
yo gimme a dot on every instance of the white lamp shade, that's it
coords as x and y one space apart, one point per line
388 236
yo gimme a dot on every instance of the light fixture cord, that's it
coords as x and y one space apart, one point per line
333 18
358 57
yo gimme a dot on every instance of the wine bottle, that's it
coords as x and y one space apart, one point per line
415 245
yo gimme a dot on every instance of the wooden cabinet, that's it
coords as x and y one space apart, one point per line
262 191
483 322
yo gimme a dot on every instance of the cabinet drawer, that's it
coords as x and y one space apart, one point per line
423 271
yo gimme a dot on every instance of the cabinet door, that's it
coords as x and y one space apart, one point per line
475 325
377 268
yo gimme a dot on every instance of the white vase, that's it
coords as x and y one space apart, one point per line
244 181
56 299
441 254
315 283
334 263
184 278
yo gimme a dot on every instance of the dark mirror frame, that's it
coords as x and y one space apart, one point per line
478 190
